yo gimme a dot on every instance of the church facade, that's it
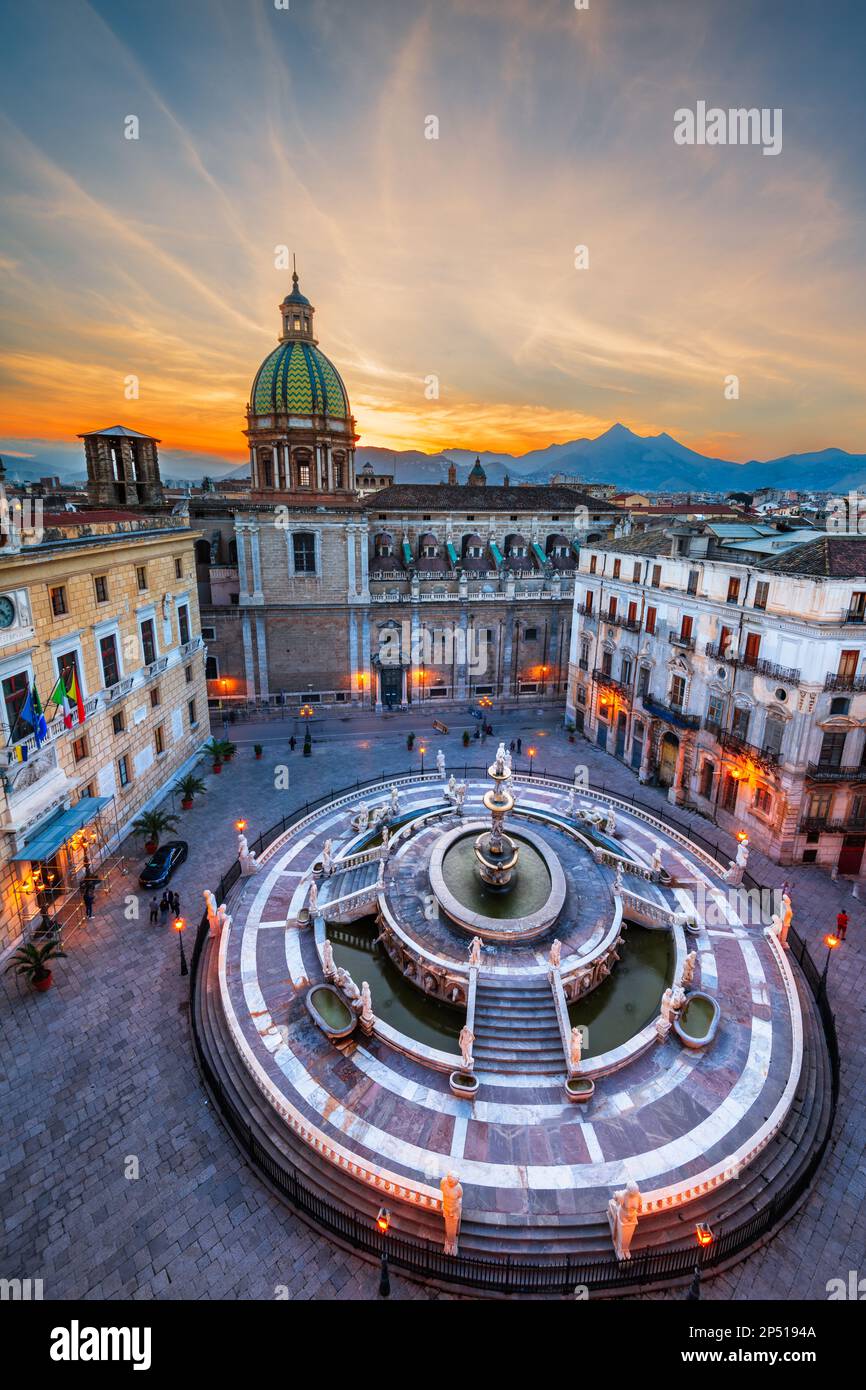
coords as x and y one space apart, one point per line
324 591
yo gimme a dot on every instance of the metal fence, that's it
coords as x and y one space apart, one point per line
508 1275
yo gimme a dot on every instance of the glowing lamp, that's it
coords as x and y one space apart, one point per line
383 1220
742 837
240 825
178 924
831 941
703 1234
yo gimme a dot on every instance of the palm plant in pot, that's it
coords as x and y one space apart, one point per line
152 824
229 750
215 750
189 787
31 961
258 750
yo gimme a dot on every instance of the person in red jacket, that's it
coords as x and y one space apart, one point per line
842 924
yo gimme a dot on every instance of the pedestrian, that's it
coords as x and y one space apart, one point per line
164 906
88 899
292 742
520 745
175 904
842 924
512 745
154 910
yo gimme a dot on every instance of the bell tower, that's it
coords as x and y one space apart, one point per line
122 468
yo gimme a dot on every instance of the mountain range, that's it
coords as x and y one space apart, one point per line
650 463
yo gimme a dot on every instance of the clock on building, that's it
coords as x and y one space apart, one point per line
7 611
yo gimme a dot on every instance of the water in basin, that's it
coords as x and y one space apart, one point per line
395 1001
697 1017
332 1010
530 884
631 995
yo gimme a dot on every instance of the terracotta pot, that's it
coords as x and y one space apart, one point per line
258 756
150 846
187 803
45 982
217 767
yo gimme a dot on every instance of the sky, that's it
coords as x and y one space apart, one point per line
449 258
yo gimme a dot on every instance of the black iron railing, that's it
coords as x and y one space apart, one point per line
506 1275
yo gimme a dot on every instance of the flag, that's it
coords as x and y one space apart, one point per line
58 694
40 725
21 752
30 713
73 694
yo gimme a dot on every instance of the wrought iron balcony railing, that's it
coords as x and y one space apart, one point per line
677 639
788 675
602 678
825 772
835 680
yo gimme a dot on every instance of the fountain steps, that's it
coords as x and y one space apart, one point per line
285 1149
516 1028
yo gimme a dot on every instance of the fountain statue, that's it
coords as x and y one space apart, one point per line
623 1210
450 792
394 804
460 797
367 1018
313 900
248 862
576 1047
556 954
440 763
495 853
328 965
465 1041
211 907
452 1206
327 857
475 951
689 968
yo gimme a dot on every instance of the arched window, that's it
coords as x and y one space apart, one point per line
303 469
840 705
774 732
266 469
339 470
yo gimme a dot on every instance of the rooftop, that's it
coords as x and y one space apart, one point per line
459 497
828 557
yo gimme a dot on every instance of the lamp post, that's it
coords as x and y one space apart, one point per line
179 925
532 752
383 1222
831 941
422 750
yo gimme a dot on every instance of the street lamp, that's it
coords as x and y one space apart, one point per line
383 1222
831 941
532 752
240 826
422 750
179 925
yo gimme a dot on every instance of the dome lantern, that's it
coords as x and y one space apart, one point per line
297 315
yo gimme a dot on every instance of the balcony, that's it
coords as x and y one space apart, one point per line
824 772
585 612
116 692
764 757
834 680
188 648
155 668
855 615
840 825
619 620
788 675
56 729
676 639
602 678
673 714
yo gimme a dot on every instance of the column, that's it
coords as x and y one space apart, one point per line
366 663
240 536
350 558
676 792
354 686
249 669
463 653
261 643
647 759
257 563
507 682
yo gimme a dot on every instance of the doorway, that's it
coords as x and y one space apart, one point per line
391 685
851 854
668 754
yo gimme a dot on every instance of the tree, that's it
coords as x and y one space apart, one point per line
152 824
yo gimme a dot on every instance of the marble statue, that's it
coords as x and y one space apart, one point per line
617 883
223 919
569 802
787 912
576 1047
248 861
450 792
556 954
475 951
742 854
610 823
347 985
452 1206
328 965
386 835
689 968
361 817
656 865
499 760
440 763
460 796
678 998
466 1039
327 857
211 907
395 801
313 900
623 1210
367 1019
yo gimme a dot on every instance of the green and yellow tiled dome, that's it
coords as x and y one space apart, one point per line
298 379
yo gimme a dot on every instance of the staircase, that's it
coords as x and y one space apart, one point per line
342 885
516 1028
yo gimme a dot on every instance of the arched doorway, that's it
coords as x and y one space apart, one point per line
621 726
669 749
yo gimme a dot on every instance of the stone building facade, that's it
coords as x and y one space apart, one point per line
111 597
122 468
734 679
334 593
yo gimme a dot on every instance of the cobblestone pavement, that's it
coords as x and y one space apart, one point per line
118 1180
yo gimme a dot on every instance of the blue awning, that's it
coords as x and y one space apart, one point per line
497 555
48 840
539 554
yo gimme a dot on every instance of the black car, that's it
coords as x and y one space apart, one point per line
162 864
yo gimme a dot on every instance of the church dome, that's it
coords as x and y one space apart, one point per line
298 379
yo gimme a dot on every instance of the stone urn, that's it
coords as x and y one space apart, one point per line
463 1085
579 1089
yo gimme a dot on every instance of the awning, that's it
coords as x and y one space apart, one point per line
497 554
539 554
575 545
452 554
407 553
48 840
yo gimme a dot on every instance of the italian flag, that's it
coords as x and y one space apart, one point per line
67 694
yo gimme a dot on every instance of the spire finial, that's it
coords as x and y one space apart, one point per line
294 271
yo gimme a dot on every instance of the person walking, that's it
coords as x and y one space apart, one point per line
520 745
842 924
175 904
154 911
292 742
88 899
164 906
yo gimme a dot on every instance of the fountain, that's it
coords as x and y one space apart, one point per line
495 852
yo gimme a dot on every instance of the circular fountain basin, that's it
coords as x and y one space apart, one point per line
526 909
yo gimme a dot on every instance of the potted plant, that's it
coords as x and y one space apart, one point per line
570 728
258 750
467 738
308 744
229 750
152 824
215 752
31 961
189 787
410 742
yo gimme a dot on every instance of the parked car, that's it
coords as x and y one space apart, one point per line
162 864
